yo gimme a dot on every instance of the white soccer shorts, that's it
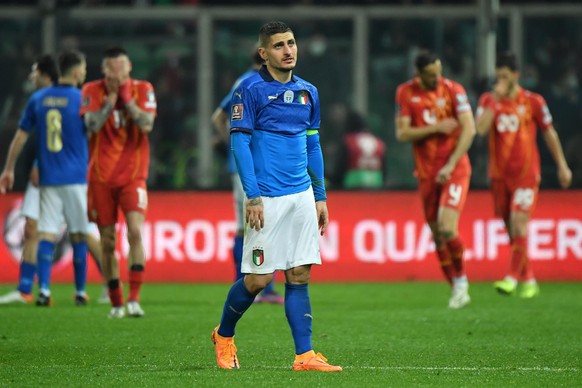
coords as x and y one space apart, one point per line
289 239
69 201
31 203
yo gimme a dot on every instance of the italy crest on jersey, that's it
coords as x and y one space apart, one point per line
258 257
303 97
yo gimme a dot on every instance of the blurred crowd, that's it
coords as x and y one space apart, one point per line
165 53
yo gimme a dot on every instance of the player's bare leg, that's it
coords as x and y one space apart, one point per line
23 293
448 230
136 261
111 270
94 247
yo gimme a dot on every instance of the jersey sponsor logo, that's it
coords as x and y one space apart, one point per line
237 112
258 257
521 109
238 94
288 96
415 99
441 102
272 97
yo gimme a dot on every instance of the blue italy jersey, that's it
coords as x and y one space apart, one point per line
225 106
277 116
62 149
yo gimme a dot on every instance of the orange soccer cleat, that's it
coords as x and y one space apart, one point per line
225 350
312 361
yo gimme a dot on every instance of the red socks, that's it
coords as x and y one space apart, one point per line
446 263
456 249
135 282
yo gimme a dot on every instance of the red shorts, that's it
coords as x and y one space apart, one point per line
104 201
514 196
452 194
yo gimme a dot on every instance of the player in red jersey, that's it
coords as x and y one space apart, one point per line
120 113
511 115
434 114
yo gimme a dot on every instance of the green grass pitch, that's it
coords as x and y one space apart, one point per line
392 334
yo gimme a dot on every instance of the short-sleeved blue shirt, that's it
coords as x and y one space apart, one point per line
62 149
277 116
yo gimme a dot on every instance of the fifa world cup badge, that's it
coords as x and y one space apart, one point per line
258 256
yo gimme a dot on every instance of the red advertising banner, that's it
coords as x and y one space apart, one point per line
375 236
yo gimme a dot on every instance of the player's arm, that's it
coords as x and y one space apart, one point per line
315 170
406 133
143 118
465 139
240 145
554 145
7 178
220 120
95 116
485 114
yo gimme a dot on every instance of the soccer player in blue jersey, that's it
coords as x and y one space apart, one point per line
62 152
221 121
275 119
44 73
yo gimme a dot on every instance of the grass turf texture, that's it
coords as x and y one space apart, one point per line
395 334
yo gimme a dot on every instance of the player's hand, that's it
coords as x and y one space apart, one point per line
6 181
125 92
565 177
322 216
254 213
34 179
112 85
447 126
444 174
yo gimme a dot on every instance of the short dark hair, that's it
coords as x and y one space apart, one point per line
506 59
425 58
114 52
69 59
47 65
257 60
271 28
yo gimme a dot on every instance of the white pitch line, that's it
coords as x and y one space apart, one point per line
448 368
395 368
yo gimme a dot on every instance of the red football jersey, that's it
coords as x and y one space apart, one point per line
513 151
427 107
119 152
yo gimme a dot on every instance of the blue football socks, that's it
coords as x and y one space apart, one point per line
239 299
237 252
270 289
45 261
298 312
80 266
26 280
